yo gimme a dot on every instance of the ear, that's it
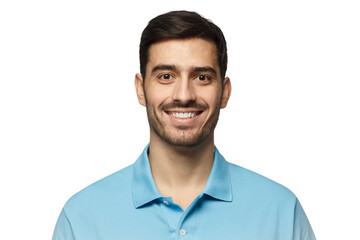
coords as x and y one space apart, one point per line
226 92
139 86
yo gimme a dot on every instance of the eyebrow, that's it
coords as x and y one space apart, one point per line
205 69
161 67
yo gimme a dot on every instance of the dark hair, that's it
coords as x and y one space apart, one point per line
182 25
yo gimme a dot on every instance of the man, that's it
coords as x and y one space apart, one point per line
181 187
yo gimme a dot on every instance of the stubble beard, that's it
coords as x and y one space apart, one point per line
183 136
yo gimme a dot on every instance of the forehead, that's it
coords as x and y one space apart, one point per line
185 53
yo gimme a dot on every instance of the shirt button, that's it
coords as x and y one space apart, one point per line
166 203
182 232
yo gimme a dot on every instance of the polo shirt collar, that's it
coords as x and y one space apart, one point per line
218 185
145 191
144 188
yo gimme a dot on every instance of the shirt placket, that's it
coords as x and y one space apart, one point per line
181 223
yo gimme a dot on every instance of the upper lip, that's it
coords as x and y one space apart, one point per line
183 110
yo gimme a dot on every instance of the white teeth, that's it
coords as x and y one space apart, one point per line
183 115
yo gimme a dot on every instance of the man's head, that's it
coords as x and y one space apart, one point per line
182 25
182 83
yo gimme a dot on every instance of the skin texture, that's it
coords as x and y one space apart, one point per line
182 78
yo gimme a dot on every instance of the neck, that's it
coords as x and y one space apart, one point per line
180 171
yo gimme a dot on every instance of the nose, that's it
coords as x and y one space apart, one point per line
184 91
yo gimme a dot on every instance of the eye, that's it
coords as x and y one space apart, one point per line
165 76
203 78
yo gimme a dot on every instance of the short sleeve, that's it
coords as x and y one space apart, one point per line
63 230
302 227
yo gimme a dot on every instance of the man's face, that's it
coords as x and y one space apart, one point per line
183 91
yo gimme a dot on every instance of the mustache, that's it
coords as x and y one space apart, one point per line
189 104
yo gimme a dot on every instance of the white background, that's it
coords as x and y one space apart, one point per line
69 114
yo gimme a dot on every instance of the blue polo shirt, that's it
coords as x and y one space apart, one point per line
235 204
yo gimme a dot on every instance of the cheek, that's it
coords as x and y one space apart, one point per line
157 95
211 98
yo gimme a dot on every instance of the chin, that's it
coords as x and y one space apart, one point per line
185 141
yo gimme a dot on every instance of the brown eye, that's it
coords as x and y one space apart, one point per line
166 76
203 78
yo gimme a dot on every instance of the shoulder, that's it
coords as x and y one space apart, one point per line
102 192
248 183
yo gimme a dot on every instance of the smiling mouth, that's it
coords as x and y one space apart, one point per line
184 115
